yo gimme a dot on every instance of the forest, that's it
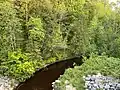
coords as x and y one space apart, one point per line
34 33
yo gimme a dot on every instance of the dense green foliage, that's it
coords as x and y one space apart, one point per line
94 65
37 32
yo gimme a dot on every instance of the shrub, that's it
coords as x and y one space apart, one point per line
19 66
97 64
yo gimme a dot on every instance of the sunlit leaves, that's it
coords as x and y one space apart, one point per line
36 28
102 9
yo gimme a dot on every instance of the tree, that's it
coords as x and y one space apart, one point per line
9 29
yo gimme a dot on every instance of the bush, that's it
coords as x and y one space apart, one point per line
97 64
20 66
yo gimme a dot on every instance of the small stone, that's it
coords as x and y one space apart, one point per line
112 88
53 83
90 87
57 81
118 87
87 79
106 86
93 88
92 79
110 84
95 85
92 82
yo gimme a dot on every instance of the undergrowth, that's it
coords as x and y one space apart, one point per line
95 64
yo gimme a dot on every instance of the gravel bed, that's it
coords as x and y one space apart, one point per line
100 82
7 83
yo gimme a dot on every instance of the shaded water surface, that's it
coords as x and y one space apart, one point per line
42 79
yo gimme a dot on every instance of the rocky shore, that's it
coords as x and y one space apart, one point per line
7 83
92 82
100 82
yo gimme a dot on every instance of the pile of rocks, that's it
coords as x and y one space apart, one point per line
7 84
100 82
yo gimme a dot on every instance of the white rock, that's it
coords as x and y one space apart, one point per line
101 82
57 81
53 83
1 87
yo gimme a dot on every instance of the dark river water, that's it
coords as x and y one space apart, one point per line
42 79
